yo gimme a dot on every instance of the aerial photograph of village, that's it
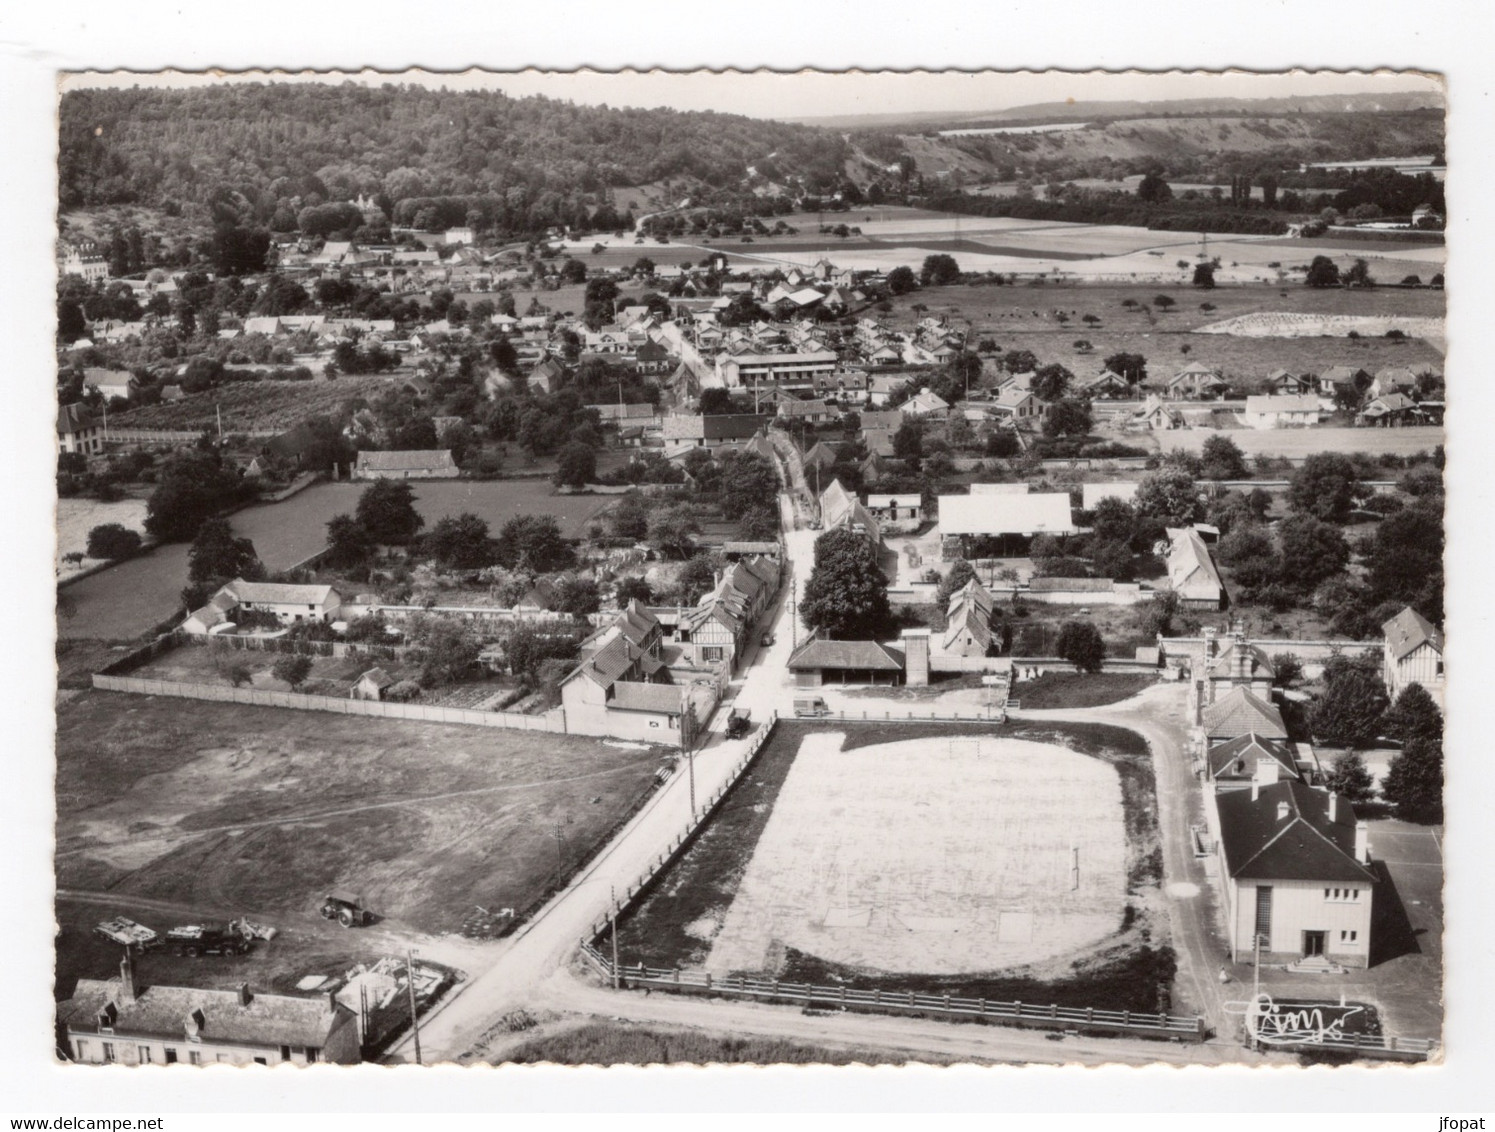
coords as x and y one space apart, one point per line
547 580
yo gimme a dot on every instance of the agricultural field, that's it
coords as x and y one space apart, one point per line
254 406
797 877
77 516
172 804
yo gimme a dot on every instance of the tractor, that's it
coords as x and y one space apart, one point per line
346 910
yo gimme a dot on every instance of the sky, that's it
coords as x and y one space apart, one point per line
801 94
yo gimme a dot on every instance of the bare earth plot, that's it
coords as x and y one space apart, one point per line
1299 443
932 857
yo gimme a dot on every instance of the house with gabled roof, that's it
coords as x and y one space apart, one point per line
1295 875
413 465
897 513
1191 570
1413 654
372 685
622 686
684 431
1389 410
1195 382
967 629
1104 386
78 431
1236 763
120 1021
289 603
925 404
1281 382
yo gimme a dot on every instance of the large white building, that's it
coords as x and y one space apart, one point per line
791 371
999 514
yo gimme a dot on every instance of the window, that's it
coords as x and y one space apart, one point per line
108 1051
170 1056
261 1061
145 1054
712 652
285 1053
80 1050
1342 895
1348 937
313 1054
194 1057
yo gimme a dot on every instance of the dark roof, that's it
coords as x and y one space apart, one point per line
1300 844
1409 631
378 677
820 653
73 418
1249 749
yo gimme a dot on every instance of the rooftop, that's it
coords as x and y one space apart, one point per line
1286 833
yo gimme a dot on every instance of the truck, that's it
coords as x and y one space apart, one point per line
126 932
739 723
193 940
346 909
810 707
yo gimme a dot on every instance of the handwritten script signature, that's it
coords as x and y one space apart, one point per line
1272 1024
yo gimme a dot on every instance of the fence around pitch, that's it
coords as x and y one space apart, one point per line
1023 1014
1384 1047
552 721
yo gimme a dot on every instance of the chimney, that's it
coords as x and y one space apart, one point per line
127 980
1210 645
1333 806
1282 810
244 996
1362 843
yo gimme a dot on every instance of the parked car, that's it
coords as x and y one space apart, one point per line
767 640
810 707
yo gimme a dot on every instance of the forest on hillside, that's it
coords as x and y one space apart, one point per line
290 146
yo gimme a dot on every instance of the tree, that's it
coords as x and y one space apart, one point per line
577 596
1414 781
1287 669
1163 302
1312 552
748 481
1153 189
576 465
901 280
1324 487
1349 776
1322 272
1204 275
533 543
217 556
846 596
191 487
1133 367
292 669
629 517
449 651
386 511
1359 275
1019 361
633 588
1222 459
1406 558
908 441
1113 520
939 270
759 524
1080 643
1051 382
1252 558
696 577
959 574
1170 496
1353 702
1414 716
112 540
348 544
460 543
715 401
1068 417
673 530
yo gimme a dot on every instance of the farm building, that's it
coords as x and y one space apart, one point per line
820 661
289 603
372 685
427 465
1294 871
897 513
1191 570
116 1021
1414 654
683 432
1005 515
968 622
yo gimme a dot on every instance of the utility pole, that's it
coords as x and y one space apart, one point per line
1074 866
690 764
410 986
613 900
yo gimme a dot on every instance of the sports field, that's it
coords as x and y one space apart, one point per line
936 856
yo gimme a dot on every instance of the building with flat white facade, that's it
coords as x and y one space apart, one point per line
792 371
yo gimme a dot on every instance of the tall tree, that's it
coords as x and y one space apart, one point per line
846 596
1350 777
576 465
1324 487
386 510
1414 781
1414 715
1353 702
748 481
216 555
461 542
1081 644
1169 495
1222 459
1312 551
348 543
533 543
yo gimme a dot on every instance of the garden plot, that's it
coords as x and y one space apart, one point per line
938 857
76 517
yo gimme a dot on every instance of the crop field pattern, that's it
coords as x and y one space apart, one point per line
938 859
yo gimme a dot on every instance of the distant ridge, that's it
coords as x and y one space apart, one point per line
1393 102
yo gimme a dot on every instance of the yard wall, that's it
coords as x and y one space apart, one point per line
303 648
351 611
552 721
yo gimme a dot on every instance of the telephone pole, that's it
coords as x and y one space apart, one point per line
410 987
613 900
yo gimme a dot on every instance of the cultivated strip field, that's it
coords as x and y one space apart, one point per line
1300 443
933 856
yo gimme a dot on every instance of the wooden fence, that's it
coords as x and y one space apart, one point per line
1121 1023
552 721
1381 1047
